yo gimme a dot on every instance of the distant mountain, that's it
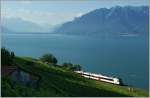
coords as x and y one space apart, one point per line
20 25
5 30
116 21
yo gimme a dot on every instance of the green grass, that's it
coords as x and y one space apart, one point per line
57 81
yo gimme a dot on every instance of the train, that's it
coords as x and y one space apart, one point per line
99 77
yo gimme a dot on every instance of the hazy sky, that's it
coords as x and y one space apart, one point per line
57 11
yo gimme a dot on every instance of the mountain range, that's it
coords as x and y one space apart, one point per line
115 21
18 25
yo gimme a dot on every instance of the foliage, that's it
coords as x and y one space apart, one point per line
76 67
7 57
55 81
67 65
70 66
49 58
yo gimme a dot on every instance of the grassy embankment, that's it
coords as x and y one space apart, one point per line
57 81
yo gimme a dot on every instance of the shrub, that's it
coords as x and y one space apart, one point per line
49 58
71 66
76 67
7 57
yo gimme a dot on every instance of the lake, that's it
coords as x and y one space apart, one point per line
127 58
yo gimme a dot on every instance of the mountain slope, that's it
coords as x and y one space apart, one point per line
56 81
5 30
115 21
20 25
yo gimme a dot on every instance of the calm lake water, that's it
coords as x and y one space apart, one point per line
127 58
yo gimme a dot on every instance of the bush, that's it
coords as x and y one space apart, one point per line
67 65
29 63
72 67
49 58
7 57
76 67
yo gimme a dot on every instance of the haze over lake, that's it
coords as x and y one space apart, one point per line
125 57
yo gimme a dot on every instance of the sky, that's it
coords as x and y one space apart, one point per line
55 12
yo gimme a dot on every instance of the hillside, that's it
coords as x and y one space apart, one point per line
116 21
5 30
58 81
20 25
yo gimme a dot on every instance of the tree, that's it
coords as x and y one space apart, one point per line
67 65
49 58
76 67
12 55
72 67
6 57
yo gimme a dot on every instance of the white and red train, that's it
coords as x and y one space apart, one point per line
99 77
